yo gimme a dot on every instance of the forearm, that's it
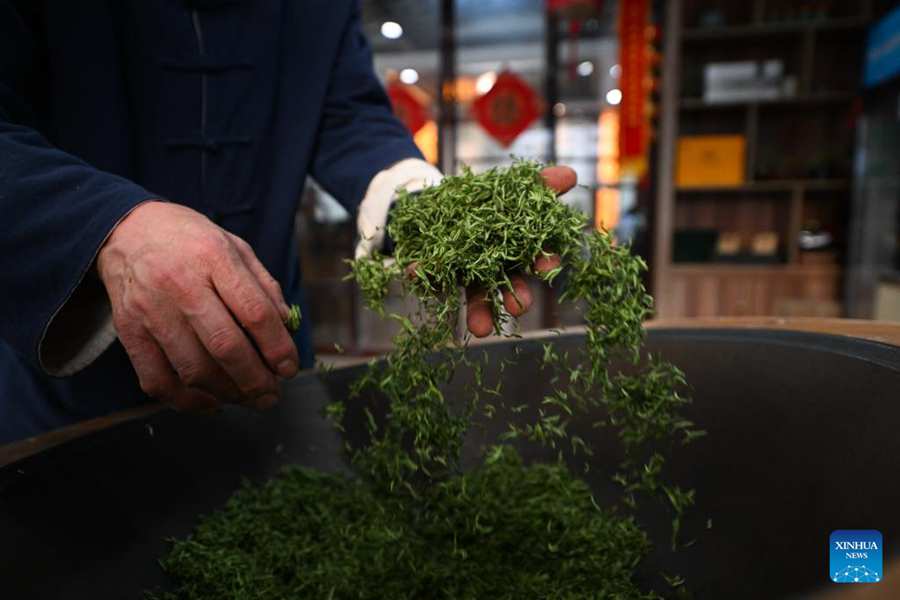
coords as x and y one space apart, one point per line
359 140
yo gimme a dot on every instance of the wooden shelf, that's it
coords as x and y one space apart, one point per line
773 185
741 32
822 55
818 99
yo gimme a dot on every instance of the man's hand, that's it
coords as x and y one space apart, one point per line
189 300
478 313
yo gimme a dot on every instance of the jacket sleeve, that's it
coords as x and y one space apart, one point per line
55 213
358 134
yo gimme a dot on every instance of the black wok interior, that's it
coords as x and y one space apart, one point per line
802 439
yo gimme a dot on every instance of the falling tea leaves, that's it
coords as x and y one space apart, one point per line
412 523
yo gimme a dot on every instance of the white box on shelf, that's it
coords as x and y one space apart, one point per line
741 81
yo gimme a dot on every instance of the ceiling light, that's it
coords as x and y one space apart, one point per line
615 71
409 76
485 82
391 30
614 96
585 68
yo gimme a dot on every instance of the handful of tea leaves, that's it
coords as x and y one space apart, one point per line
413 524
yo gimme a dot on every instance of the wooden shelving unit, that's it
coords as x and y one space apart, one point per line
798 156
773 185
807 100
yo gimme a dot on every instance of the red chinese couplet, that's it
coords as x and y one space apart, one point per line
634 60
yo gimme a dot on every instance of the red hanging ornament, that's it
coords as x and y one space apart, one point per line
507 109
407 107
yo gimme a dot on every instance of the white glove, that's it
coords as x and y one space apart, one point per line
411 174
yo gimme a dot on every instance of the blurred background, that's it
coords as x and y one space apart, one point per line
748 150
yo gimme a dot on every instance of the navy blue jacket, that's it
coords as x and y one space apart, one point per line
223 106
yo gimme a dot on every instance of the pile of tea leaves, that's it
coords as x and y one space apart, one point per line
410 522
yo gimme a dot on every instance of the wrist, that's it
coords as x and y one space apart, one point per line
411 174
111 247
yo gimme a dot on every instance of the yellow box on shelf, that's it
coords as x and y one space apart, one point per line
709 160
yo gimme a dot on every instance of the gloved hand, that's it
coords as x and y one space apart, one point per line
479 319
412 175
415 174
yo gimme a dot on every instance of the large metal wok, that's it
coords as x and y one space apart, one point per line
803 439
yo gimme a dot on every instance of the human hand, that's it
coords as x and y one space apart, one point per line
189 300
479 318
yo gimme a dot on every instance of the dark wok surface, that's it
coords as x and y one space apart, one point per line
802 440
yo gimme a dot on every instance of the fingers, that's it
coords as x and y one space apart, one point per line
560 178
254 311
518 300
230 348
263 277
156 376
546 263
190 359
479 318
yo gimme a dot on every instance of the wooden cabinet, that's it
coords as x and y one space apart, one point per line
737 291
797 161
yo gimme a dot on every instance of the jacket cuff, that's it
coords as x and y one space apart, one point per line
411 174
82 327
61 358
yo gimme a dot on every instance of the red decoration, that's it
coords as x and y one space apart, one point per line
634 125
507 109
407 107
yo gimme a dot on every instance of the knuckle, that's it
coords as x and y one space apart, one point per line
224 343
191 373
256 313
279 351
273 284
241 243
214 246
164 276
134 305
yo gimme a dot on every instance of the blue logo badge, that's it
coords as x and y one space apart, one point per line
855 556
